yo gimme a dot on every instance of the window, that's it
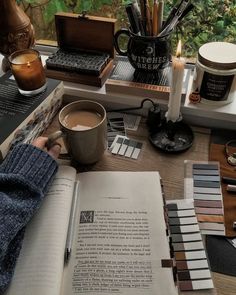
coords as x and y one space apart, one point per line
210 20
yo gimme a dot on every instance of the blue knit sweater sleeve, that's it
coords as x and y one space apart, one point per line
25 176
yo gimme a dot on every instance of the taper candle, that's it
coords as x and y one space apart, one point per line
174 104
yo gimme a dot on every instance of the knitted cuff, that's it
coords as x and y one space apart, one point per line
32 164
9 261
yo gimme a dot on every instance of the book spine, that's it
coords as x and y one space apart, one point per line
132 88
35 123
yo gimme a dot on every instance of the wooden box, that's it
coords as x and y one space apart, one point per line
85 33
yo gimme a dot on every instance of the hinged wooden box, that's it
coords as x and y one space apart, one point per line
83 33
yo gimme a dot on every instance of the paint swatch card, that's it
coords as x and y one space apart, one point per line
126 147
203 186
131 121
187 248
118 123
115 126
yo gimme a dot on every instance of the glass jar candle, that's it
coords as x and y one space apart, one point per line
215 73
28 71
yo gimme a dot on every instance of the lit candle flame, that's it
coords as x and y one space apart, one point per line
178 50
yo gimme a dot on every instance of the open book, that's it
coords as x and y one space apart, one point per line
119 238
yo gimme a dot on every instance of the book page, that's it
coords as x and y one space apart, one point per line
120 237
40 265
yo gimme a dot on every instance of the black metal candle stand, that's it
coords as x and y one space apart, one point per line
172 137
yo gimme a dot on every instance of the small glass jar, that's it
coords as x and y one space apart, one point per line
215 73
28 71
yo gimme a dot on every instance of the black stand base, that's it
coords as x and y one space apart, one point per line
172 137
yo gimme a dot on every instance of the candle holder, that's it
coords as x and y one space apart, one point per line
28 71
172 137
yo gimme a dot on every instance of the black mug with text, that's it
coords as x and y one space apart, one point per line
145 53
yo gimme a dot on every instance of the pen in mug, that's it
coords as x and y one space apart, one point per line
186 11
133 19
174 21
173 13
71 225
137 11
143 15
170 16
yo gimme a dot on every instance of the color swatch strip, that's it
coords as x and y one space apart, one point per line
115 126
187 248
126 147
206 192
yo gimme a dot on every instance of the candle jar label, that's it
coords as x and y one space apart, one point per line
215 87
28 71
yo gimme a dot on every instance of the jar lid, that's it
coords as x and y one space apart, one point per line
218 55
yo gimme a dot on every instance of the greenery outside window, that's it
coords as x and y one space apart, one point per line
210 20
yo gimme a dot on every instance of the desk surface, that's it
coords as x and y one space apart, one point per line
171 168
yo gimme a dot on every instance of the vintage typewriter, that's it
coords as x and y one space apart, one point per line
79 61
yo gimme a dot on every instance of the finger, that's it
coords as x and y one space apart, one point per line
55 150
40 142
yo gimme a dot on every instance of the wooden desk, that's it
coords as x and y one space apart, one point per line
171 168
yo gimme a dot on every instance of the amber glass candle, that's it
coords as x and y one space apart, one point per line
27 68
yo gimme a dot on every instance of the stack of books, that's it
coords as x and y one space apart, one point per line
126 80
24 118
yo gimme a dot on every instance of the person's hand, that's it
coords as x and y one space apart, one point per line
54 151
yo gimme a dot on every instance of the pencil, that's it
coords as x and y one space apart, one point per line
148 19
71 225
160 15
143 16
155 18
